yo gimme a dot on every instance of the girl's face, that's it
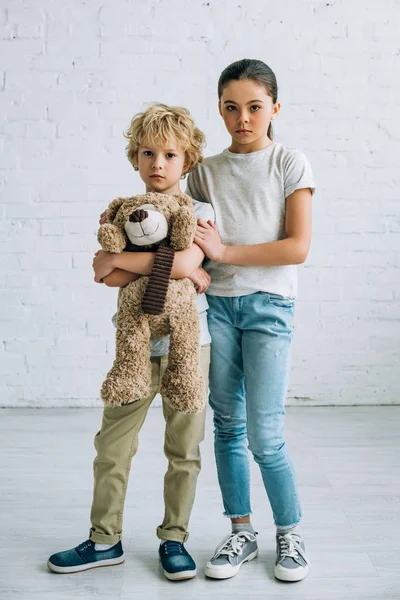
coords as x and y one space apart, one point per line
161 166
247 110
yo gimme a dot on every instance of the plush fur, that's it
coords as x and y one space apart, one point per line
129 379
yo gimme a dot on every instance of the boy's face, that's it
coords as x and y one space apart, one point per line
161 167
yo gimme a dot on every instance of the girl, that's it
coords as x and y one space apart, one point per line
261 193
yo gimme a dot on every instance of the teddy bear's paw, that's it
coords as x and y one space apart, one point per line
111 238
120 387
184 396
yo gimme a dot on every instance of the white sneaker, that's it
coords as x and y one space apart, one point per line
292 563
239 547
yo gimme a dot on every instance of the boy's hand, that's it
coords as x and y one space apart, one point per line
103 217
201 280
103 265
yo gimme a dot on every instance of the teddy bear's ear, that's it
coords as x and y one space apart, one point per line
183 228
113 208
184 200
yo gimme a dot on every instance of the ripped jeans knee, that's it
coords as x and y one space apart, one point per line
227 426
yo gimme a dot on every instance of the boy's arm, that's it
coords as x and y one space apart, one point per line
120 278
185 262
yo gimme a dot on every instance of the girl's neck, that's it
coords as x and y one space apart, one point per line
259 144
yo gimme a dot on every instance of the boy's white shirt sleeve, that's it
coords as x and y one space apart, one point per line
297 173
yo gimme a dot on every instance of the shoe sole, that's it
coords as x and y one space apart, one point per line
181 576
78 568
290 575
216 572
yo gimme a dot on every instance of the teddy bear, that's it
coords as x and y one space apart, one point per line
154 306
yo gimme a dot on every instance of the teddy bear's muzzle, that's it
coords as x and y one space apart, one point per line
146 226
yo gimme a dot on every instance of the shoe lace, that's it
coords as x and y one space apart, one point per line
85 545
233 544
289 544
171 547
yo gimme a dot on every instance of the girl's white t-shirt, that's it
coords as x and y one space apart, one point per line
248 192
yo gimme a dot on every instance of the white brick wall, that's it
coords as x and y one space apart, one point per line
71 77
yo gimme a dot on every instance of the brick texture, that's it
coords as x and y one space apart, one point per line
71 77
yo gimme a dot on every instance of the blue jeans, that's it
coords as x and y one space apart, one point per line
250 362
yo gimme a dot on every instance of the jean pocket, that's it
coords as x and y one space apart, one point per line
281 301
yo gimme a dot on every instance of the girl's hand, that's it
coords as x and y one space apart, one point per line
207 237
103 217
201 280
103 265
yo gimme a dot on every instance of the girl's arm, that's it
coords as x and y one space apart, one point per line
141 263
290 251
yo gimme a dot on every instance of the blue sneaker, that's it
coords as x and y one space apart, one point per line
176 561
85 557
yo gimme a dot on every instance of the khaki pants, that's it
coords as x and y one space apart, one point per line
117 442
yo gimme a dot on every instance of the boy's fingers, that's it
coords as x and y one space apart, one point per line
103 218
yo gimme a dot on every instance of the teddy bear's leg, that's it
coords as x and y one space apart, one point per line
182 385
130 377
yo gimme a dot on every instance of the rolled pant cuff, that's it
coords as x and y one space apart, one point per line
237 516
171 536
103 538
287 527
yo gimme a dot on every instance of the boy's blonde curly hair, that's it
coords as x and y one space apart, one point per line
161 123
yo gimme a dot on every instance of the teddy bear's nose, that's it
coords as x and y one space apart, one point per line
138 215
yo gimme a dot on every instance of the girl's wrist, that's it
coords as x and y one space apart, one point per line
223 257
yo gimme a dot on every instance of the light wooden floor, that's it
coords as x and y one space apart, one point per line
348 464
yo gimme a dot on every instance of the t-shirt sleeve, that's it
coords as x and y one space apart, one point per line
202 208
297 173
193 187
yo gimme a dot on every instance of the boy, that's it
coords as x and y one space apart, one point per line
163 145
